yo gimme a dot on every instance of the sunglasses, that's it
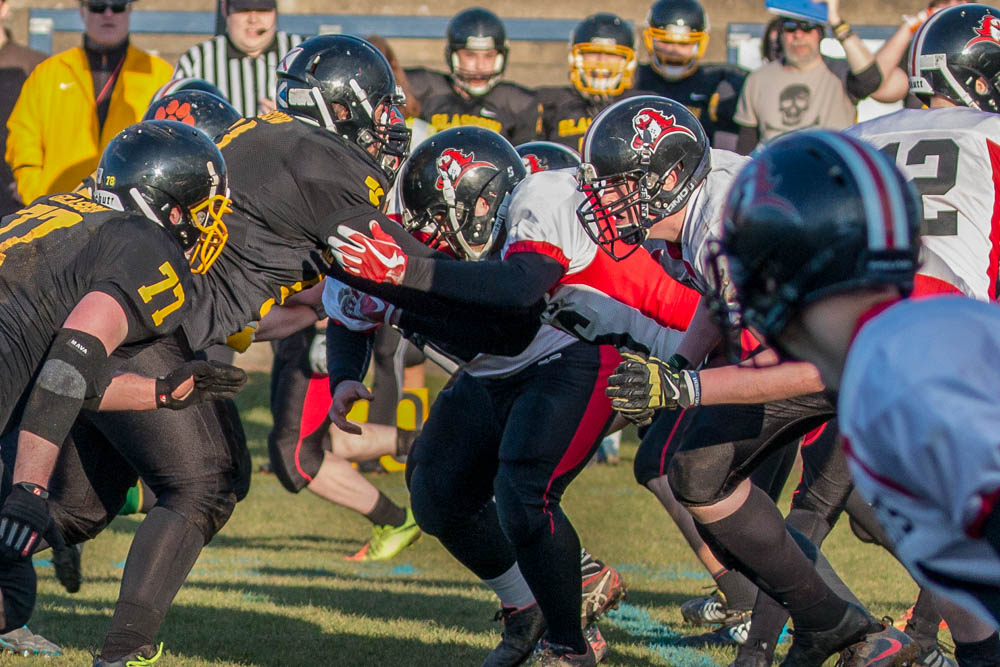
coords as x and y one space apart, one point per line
101 7
792 26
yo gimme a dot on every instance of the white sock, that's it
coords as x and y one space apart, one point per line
511 588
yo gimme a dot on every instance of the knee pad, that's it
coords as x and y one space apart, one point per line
700 476
205 503
427 510
17 590
860 532
521 516
294 462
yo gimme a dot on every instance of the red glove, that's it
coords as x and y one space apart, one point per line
376 258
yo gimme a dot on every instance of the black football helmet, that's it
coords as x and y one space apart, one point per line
676 22
633 146
156 165
814 214
186 83
604 34
547 155
208 113
956 54
476 29
346 85
455 184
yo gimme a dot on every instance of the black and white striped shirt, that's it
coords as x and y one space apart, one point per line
243 80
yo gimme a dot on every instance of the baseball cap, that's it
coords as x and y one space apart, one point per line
251 5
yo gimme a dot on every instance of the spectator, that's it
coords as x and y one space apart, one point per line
242 63
891 57
770 41
804 89
16 63
76 101
472 93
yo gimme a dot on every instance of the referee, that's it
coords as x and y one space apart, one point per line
242 62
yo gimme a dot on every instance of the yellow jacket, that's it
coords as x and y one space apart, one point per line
52 140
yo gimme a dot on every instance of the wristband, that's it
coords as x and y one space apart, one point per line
842 31
695 382
34 489
320 309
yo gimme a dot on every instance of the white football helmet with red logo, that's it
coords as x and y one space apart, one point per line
635 145
956 54
455 183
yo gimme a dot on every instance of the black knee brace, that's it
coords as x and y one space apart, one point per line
205 503
701 476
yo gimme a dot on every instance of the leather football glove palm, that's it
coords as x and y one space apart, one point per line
641 385
213 381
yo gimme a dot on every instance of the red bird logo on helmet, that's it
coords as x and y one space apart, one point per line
651 126
532 163
988 31
453 164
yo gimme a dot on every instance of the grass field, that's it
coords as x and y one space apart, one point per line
274 589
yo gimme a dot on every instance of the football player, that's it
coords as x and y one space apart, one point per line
209 113
647 172
676 37
333 149
602 62
520 544
821 241
116 276
472 93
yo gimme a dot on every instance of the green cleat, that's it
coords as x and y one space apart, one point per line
387 542
26 643
144 656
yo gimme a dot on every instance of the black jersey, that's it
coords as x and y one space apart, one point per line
566 114
710 93
63 246
509 109
291 183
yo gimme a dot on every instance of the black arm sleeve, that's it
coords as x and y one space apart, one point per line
347 354
864 83
474 333
748 139
517 282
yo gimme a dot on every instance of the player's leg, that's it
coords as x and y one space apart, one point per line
299 446
554 425
709 475
196 462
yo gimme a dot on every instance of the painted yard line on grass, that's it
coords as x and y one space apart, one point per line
656 636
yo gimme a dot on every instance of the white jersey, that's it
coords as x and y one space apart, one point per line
952 156
918 408
630 304
702 224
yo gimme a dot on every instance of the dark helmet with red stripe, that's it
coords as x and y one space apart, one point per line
956 54
546 156
455 185
635 145
816 213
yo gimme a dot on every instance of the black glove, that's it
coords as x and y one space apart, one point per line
639 386
213 381
24 521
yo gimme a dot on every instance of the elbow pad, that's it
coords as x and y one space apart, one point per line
864 83
75 370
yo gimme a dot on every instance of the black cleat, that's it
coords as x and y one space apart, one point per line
555 655
753 654
884 646
812 648
146 655
522 628
66 561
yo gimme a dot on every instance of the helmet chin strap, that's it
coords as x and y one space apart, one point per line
144 206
